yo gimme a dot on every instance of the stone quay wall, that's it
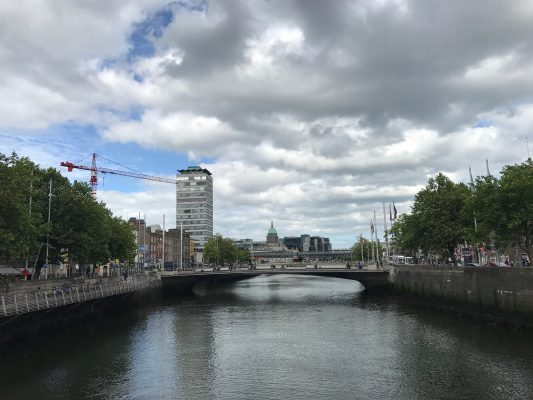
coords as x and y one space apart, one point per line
498 293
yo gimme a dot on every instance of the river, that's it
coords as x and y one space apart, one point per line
273 337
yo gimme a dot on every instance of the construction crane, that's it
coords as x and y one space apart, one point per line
95 170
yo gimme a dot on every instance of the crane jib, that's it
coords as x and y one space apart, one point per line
95 170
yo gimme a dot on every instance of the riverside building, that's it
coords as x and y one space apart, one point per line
307 243
194 205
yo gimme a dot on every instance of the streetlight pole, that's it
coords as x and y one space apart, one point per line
163 268
48 233
29 214
139 243
144 244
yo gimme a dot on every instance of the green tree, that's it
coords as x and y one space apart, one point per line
483 213
437 223
121 242
79 224
20 229
405 235
503 208
243 255
517 204
220 250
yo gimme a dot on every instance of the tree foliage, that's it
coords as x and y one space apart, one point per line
220 250
405 233
504 208
79 226
437 213
17 225
493 211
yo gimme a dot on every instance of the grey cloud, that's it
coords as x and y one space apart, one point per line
402 62
209 48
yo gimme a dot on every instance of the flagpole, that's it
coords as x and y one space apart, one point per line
372 239
376 233
386 232
362 250
391 251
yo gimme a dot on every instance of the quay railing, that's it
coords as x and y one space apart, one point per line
22 302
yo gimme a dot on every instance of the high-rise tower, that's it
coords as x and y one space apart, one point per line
194 204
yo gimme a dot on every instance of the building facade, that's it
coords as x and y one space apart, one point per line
194 204
307 243
142 239
152 253
174 249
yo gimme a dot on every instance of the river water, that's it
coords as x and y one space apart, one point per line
277 337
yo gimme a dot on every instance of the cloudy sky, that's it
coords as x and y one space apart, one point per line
308 113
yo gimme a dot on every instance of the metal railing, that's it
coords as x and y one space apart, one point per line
24 302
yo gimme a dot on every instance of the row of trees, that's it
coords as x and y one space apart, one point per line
221 250
80 228
490 211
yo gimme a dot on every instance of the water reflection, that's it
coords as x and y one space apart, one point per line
269 338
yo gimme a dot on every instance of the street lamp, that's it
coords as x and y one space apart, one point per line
48 233
39 253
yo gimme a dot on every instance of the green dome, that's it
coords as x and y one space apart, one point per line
272 231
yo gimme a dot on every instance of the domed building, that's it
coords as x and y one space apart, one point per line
272 236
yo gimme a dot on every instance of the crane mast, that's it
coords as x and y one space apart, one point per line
95 170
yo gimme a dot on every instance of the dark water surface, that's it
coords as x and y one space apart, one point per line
279 337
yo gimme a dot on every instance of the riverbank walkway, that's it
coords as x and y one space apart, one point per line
29 296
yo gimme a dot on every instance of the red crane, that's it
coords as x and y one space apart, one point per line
95 170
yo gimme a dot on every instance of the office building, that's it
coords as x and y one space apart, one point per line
307 243
194 204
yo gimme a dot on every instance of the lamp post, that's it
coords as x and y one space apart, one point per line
29 214
163 267
144 244
181 246
48 233
139 243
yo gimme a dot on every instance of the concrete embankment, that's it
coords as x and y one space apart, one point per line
502 295
30 308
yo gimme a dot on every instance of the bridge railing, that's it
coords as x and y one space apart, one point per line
24 302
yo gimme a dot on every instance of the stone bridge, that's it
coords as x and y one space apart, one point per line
185 281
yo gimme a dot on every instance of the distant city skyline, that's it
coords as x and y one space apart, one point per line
308 113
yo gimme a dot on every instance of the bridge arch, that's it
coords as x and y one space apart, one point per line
184 282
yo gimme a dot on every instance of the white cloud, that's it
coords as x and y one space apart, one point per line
311 114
